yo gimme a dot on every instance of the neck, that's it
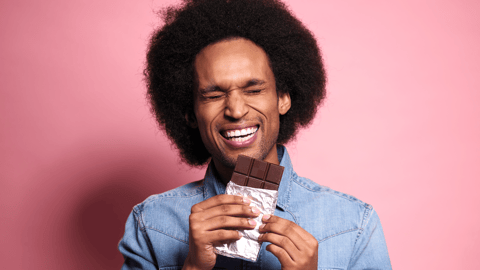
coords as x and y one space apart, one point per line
223 173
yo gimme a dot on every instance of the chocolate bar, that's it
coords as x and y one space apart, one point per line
256 173
258 180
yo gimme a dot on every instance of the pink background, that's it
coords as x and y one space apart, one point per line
79 148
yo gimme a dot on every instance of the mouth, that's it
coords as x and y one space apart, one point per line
240 135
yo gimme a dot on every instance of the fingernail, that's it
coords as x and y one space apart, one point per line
266 217
255 210
252 222
246 200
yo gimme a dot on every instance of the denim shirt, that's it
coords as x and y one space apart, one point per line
348 230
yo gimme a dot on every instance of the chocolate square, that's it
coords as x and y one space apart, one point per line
270 186
274 174
257 173
239 179
243 165
259 169
255 183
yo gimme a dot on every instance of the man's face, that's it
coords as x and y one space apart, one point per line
236 104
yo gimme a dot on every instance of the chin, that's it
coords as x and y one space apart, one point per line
228 161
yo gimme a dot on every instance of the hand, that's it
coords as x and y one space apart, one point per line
294 247
215 221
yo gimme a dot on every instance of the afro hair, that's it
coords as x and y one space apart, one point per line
294 57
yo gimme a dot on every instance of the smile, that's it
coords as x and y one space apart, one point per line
240 135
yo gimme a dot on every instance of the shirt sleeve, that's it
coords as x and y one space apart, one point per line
370 250
135 246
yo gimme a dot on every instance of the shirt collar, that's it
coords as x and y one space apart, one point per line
214 186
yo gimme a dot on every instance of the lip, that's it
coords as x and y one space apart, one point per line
241 144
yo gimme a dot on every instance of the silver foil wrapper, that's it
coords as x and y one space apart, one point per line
248 246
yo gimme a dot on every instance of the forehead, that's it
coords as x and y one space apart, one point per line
231 62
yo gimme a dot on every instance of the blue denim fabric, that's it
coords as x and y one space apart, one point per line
348 230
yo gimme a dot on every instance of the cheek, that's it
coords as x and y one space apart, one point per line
205 118
273 115
265 104
271 108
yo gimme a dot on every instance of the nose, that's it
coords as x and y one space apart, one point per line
235 105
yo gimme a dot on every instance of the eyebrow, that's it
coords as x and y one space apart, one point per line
253 82
215 88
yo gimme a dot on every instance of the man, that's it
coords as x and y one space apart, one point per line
230 77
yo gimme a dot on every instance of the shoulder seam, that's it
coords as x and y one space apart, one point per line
166 234
365 220
198 190
295 179
331 191
139 217
366 216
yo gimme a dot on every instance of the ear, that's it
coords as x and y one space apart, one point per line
284 103
191 119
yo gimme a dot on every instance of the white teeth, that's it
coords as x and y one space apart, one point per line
241 139
240 135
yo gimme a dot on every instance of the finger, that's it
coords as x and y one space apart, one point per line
282 242
285 228
218 237
219 200
281 254
230 210
303 240
302 232
224 222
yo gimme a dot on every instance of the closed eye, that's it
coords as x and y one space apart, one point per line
212 95
254 91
